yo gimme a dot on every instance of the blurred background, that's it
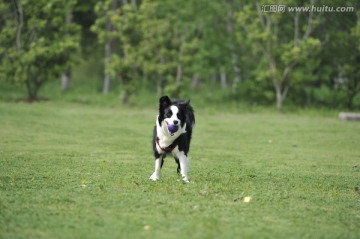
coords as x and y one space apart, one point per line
281 54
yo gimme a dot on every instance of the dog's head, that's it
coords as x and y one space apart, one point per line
172 113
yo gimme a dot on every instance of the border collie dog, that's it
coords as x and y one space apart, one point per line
172 135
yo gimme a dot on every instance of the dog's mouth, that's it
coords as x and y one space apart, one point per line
172 128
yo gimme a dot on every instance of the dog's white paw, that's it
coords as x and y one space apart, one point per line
155 176
185 180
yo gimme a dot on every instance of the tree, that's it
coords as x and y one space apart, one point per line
34 44
104 29
186 44
351 70
333 80
168 46
160 43
117 28
66 75
283 47
126 63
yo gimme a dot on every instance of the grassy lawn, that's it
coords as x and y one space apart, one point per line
79 171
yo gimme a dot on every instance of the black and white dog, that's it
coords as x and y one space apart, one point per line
172 135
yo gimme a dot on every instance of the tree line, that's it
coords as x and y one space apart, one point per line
254 50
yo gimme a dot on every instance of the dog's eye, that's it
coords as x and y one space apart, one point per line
178 115
168 114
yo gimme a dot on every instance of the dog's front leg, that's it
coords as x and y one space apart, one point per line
184 167
157 173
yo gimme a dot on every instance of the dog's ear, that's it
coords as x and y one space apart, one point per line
164 102
184 103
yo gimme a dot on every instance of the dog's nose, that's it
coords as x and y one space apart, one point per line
176 122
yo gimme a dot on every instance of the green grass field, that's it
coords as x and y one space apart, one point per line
71 170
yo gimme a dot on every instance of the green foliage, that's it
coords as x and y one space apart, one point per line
116 26
299 55
300 52
37 42
283 47
162 43
173 46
